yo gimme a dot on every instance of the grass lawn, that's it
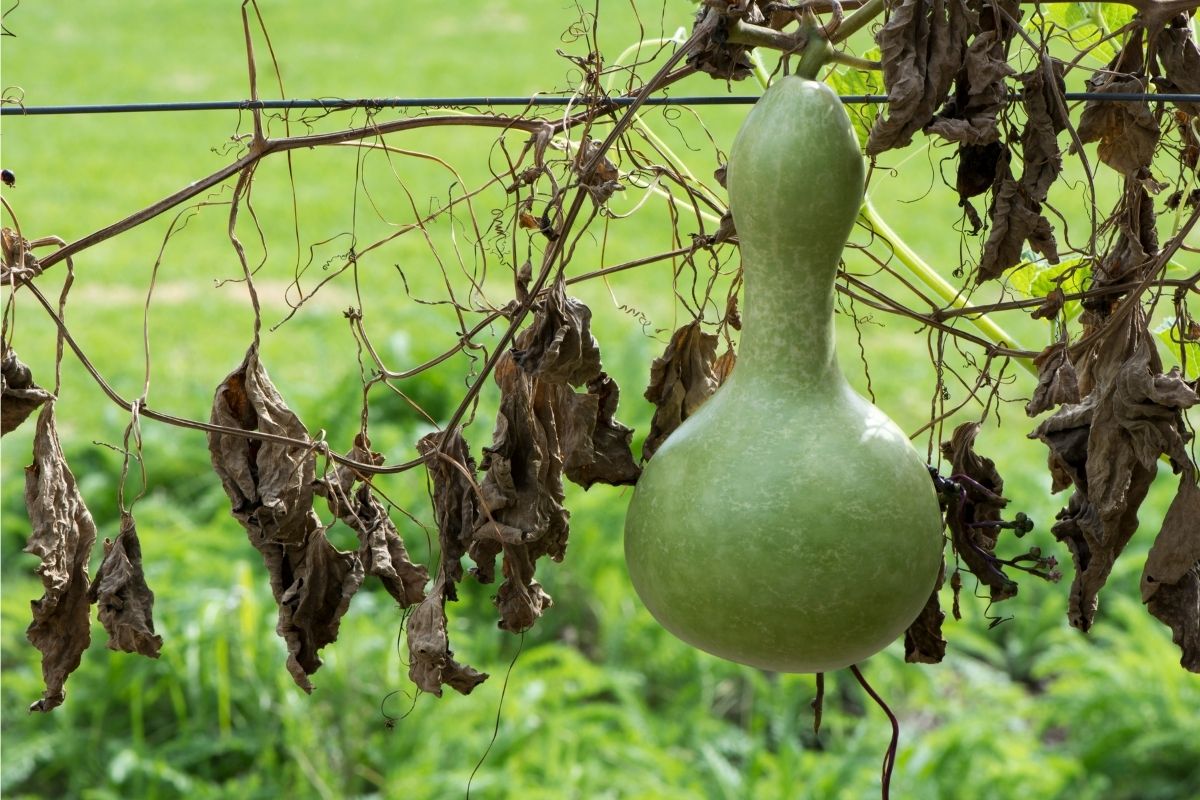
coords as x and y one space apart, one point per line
596 701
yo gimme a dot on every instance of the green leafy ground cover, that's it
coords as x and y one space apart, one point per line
599 702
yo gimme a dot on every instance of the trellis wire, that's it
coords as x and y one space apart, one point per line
337 104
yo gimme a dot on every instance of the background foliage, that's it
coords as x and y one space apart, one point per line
600 702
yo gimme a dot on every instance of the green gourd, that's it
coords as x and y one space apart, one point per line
788 524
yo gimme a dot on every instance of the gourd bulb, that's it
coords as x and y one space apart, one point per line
788 524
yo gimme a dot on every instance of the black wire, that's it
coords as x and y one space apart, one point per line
334 104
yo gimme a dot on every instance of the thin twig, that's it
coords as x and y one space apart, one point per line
889 758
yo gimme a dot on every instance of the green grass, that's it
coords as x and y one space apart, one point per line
600 703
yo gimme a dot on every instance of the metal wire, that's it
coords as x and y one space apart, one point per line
337 104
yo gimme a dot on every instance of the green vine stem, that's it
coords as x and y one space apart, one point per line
939 285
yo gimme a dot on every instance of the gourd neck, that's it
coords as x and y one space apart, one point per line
787 324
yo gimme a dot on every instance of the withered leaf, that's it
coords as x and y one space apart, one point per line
1107 447
716 55
523 490
1179 58
681 379
20 394
1016 219
381 551
320 581
124 601
1057 382
979 89
1016 209
1052 303
1046 118
923 642
270 485
1171 578
1127 132
456 508
431 662
922 46
974 516
604 180
723 366
62 534
17 261
977 165
1135 246
558 347
596 447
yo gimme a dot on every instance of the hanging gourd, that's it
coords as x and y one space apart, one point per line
788 524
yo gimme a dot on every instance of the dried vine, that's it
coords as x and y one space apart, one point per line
984 76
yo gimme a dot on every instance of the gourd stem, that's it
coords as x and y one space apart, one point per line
816 55
940 286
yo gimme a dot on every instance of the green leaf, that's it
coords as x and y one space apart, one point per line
1116 15
1167 333
1074 13
848 80
1036 278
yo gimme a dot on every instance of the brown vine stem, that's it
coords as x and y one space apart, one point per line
1125 308
1034 302
1155 12
883 302
183 422
554 251
889 758
492 316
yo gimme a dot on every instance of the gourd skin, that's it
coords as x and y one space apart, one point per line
788 524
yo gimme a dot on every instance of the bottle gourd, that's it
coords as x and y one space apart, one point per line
788 524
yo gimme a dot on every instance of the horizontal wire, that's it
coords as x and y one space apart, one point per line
335 104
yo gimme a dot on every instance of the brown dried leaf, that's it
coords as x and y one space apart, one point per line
1126 131
1041 156
456 498
17 261
596 448
320 581
558 347
382 551
1057 382
604 180
977 168
681 379
1134 249
1016 210
723 366
1179 58
20 394
1131 415
974 516
62 534
980 93
716 56
1052 303
1171 578
125 603
270 485
431 663
1016 219
522 490
922 46
923 642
